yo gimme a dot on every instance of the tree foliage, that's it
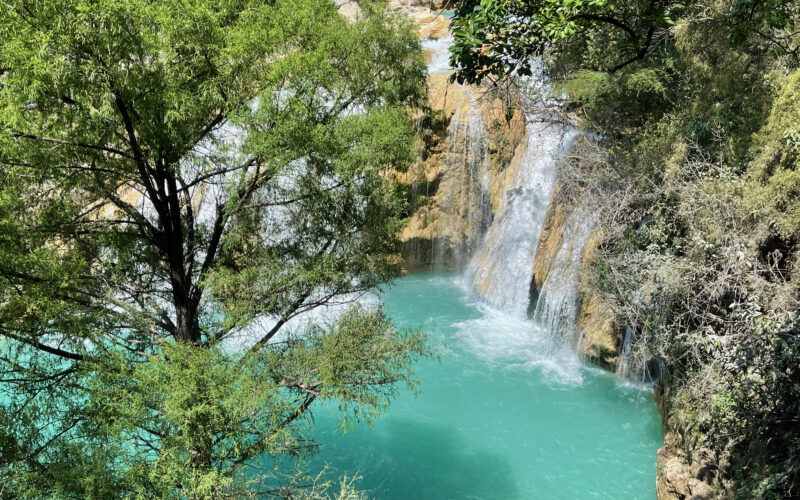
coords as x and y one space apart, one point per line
179 182
692 109
498 38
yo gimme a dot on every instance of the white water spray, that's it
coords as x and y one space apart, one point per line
439 54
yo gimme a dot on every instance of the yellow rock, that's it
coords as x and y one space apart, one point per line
442 180
600 332
432 26
598 327
549 240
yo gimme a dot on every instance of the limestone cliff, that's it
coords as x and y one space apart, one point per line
466 163
470 138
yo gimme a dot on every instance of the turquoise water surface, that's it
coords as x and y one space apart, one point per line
507 413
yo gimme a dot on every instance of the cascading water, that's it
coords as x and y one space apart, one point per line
625 355
556 307
500 248
501 268
439 54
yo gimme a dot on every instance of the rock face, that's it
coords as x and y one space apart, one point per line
600 333
348 8
431 23
686 469
600 329
549 245
454 189
469 138
678 480
414 6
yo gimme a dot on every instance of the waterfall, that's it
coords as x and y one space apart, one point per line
557 302
466 207
463 212
500 248
501 270
490 216
636 365
438 51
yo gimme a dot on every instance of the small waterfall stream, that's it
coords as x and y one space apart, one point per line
624 366
499 270
557 302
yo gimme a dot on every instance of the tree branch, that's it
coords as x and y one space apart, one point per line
19 135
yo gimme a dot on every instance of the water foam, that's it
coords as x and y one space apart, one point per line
439 51
507 340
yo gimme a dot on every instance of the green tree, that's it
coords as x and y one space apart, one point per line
179 181
498 38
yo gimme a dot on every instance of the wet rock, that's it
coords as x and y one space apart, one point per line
600 333
549 241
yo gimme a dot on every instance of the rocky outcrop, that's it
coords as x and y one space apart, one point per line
600 332
469 139
600 329
470 143
415 7
348 8
686 468
462 172
430 25
549 245
679 479
427 15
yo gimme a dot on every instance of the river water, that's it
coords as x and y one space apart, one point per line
506 413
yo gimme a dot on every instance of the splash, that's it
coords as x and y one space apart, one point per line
506 340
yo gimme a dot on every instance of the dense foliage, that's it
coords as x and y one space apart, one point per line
695 109
179 181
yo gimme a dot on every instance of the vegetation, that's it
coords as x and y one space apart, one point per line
178 182
695 110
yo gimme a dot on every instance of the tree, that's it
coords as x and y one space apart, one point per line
180 181
499 38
